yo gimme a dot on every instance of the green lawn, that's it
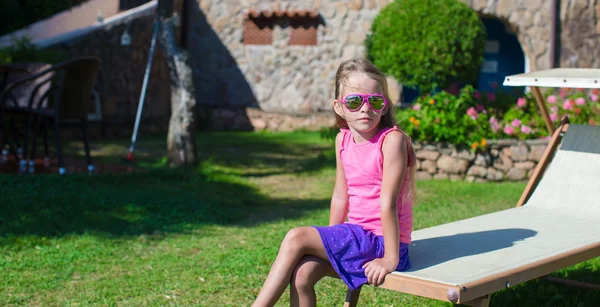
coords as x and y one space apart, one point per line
207 236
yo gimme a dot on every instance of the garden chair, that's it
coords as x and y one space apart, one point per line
554 225
14 103
65 103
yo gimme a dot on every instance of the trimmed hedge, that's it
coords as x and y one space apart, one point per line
427 43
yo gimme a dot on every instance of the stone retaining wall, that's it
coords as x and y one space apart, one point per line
503 160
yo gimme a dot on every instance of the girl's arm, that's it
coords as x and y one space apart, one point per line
394 169
339 201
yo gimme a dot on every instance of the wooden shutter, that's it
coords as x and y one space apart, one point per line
303 30
258 31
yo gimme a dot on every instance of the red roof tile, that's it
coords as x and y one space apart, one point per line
281 13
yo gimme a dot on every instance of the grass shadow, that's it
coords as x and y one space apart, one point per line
130 205
541 292
246 154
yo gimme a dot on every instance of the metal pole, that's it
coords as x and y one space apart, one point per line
144 87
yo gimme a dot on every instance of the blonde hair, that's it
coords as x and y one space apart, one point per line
364 66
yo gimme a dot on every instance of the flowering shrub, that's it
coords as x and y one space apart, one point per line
524 120
471 118
443 117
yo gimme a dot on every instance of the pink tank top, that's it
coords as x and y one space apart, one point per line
363 167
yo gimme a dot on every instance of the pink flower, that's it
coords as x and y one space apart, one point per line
516 123
580 101
477 94
491 96
416 107
594 97
562 93
479 108
554 109
494 124
472 113
521 102
591 122
509 130
552 99
553 117
525 129
567 105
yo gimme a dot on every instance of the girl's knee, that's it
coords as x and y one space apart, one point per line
295 240
304 275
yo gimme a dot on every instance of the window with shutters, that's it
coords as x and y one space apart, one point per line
258 30
301 24
303 31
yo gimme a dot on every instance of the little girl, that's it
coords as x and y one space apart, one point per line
374 189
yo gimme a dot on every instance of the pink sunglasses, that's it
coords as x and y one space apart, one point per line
354 102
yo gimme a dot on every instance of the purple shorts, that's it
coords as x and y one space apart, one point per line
350 246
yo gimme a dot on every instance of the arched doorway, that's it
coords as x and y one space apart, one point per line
503 56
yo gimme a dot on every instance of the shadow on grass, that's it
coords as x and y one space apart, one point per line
142 203
247 153
541 292
163 199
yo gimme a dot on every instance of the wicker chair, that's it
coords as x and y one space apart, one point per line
16 101
66 102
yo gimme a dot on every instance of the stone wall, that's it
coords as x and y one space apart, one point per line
503 160
578 42
282 80
282 87
278 83
580 33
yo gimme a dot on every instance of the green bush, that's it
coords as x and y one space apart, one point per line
427 43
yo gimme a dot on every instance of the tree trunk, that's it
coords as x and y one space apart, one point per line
181 142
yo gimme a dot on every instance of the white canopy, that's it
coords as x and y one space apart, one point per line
557 77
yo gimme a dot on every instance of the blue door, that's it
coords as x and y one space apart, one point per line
503 57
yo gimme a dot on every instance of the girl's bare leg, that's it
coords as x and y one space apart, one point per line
297 243
307 273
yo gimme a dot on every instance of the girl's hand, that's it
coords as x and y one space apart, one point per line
377 269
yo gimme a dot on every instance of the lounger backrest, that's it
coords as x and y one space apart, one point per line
571 183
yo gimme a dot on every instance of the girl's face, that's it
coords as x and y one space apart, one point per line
364 121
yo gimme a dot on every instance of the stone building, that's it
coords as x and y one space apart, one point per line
280 78
270 64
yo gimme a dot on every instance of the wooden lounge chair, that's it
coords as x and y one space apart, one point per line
554 225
